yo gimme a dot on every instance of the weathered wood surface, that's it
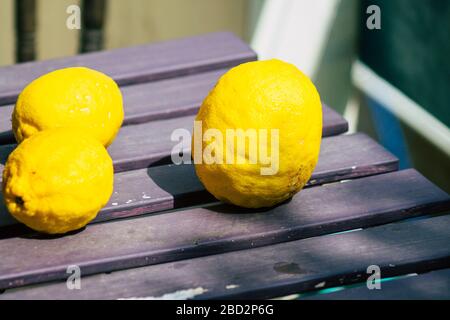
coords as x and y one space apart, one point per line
281 269
221 228
139 146
167 187
138 64
434 285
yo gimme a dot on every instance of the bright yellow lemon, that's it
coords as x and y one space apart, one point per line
73 97
265 102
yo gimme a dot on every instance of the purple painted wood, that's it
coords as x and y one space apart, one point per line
281 269
139 146
167 187
221 228
138 64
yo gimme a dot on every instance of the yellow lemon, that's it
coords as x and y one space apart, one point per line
57 180
273 112
72 97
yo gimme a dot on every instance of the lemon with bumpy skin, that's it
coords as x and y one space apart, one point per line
57 180
272 98
71 97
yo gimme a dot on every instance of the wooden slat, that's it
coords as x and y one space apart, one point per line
433 285
333 122
272 271
168 98
170 186
216 229
138 64
139 146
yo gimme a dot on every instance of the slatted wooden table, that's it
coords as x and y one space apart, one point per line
163 235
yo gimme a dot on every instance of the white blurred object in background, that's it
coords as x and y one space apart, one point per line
295 31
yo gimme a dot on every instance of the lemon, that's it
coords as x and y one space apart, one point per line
57 180
72 97
262 97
